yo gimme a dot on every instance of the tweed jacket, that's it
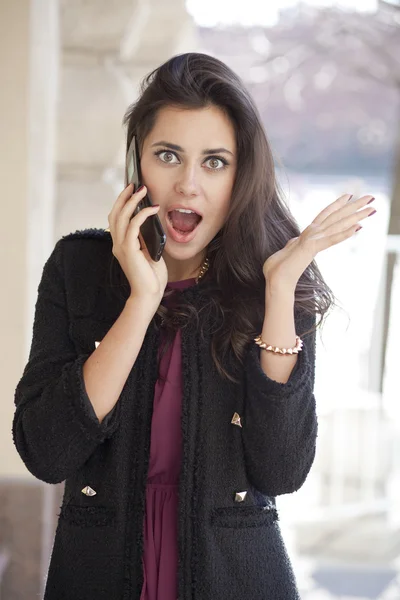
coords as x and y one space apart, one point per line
230 545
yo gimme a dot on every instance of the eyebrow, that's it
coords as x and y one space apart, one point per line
180 149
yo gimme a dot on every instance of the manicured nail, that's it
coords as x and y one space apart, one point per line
140 188
156 205
358 228
350 198
373 212
369 201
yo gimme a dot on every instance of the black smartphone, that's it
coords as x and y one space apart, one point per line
151 231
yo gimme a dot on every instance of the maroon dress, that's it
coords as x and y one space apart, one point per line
160 552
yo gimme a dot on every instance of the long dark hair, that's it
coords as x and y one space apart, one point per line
259 222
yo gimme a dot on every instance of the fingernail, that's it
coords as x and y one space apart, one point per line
156 205
350 198
369 201
140 188
358 228
373 212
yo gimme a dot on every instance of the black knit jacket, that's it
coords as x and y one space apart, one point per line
228 550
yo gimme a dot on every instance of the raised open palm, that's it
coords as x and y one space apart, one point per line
334 224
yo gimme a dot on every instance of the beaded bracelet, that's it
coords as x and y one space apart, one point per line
298 347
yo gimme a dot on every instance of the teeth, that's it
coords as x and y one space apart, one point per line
184 210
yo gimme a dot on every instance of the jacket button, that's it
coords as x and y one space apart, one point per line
236 420
240 496
88 491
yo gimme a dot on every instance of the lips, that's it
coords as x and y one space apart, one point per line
188 229
183 221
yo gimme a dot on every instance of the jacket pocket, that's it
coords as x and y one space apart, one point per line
88 516
244 516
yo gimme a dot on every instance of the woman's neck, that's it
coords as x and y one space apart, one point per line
179 270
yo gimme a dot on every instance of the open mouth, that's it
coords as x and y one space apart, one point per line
183 221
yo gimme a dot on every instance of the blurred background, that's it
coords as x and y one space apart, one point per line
326 79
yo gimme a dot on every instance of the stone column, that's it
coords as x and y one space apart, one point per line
29 43
28 32
14 103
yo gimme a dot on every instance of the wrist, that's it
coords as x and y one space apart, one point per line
143 307
280 289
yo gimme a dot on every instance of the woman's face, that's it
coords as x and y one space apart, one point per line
189 162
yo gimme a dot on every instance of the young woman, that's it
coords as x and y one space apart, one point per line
176 398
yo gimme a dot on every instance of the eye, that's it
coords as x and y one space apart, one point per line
216 163
166 156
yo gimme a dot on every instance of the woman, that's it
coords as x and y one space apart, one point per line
154 393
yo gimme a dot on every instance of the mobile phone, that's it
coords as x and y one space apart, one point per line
151 231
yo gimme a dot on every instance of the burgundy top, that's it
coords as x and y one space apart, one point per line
160 553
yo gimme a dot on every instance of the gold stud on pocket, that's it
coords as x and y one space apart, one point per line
240 496
88 491
236 420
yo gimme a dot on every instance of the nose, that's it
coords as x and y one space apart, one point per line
187 182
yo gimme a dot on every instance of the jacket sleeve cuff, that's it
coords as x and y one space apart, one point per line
258 382
84 408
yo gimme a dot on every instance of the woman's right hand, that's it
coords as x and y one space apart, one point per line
147 278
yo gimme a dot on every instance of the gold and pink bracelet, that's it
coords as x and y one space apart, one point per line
298 347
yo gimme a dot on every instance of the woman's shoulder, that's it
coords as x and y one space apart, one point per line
85 243
84 254
84 258
91 233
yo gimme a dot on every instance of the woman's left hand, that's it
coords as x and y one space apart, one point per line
336 223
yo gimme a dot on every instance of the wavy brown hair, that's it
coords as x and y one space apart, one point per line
259 222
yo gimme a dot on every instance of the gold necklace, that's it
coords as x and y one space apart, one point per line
203 269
